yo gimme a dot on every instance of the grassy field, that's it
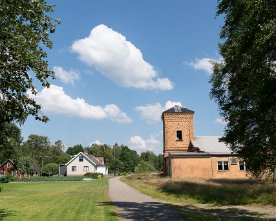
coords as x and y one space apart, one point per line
56 201
217 192
211 200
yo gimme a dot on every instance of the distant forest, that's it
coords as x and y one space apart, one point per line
38 153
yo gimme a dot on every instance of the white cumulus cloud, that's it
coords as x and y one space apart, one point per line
202 64
119 60
140 144
67 77
54 100
97 142
152 112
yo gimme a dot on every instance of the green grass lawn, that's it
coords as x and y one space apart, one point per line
56 201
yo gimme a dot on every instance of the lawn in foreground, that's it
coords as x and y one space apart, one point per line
56 201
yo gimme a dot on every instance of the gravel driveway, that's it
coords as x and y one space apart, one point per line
136 206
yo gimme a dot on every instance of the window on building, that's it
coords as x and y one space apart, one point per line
80 158
74 168
242 165
234 161
223 165
179 135
85 168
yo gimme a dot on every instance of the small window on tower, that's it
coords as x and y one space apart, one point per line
179 135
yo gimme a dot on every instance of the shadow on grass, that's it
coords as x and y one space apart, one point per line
223 192
152 211
6 213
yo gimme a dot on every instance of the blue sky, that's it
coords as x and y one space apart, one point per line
119 64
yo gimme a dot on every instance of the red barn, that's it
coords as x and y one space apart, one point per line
7 167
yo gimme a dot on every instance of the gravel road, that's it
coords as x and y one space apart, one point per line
136 206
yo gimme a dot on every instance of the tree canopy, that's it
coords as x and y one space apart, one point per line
10 139
24 38
244 82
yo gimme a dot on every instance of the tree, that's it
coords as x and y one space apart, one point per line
37 148
144 167
10 139
102 150
151 158
56 154
24 36
243 83
50 169
75 149
129 159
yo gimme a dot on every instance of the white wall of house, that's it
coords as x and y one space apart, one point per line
102 169
81 167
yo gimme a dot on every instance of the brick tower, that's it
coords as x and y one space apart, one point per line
178 131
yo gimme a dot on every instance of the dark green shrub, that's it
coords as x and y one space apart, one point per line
49 179
7 178
93 175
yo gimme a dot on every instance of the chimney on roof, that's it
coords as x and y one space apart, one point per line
85 151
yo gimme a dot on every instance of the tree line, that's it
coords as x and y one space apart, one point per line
37 154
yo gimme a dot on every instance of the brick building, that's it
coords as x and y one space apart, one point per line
187 155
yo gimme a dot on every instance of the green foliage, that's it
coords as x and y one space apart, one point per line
50 169
75 149
25 165
144 167
122 160
24 33
10 139
155 160
37 149
243 83
49 179
102 150
129 159
7 178
93 175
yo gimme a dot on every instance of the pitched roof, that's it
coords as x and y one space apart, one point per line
178 109
6 161
211 144
97 161
89 157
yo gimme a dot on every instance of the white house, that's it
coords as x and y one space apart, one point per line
82 163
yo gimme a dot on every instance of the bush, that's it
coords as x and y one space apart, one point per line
144 167
50 169
49 179
7 178
93 175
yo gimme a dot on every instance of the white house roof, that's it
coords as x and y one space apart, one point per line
211 144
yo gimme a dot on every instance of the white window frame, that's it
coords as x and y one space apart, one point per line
223 162
85 168
243 164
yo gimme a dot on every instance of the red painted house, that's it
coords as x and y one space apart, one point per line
7 167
